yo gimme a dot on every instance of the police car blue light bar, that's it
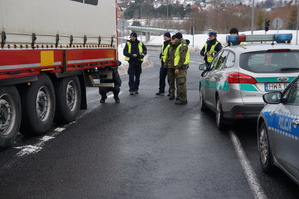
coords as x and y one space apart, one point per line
279 38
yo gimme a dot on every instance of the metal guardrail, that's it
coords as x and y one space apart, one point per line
150 29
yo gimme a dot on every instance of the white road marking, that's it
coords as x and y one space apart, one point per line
31 149
248 170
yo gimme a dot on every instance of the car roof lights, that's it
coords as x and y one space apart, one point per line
279 38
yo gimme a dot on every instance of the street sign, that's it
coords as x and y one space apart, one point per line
277 23
122 24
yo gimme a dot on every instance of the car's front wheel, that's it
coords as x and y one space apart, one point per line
202 105
265 155
220 121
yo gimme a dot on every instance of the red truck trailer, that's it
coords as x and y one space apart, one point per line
50 51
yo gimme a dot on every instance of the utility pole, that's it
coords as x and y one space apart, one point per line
297 22
252 18
167 16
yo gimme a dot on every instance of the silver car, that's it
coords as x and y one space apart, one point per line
278 131
233 85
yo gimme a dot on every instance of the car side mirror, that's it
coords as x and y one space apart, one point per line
272 97
202 67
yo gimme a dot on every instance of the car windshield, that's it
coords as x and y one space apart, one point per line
270 62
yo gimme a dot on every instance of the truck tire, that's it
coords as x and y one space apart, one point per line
38 106
10 115
68 99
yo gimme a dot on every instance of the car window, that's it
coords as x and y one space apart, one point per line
269 62
230 61
220 61
214 64
293 94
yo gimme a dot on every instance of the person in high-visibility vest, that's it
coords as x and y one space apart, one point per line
169 64
234 31
134 53
211 48
181 65
163 70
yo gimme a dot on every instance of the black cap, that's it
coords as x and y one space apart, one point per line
133 34
167 34
172 37
234 31
178 35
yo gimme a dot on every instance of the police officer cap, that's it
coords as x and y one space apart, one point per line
167 34
178 35
234 31
133 34
213 33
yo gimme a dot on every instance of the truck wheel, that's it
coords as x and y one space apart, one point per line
38 106
10 115
68 96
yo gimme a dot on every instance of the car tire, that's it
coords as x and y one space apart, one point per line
202 104
265 155
220 121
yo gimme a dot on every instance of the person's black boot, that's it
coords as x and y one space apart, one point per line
160 93
180 102
103 99
117 99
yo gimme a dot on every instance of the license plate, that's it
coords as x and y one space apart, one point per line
275 86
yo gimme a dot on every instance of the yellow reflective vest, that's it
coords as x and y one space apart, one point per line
177 55
212 50
130 50
164 53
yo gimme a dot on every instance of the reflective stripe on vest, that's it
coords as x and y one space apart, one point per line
212 50
164 53
177 56
130 50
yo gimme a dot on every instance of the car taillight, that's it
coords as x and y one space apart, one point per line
241 78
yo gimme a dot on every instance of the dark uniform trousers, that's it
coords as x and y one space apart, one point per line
134 72
104 90
162 77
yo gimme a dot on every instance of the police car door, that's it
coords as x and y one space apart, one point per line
210 84
219 76
285 142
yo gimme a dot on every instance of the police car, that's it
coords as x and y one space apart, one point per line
233 85
278 131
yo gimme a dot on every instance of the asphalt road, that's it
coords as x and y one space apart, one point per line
145 147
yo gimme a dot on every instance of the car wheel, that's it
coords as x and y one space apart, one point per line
219 115
202 105
265 155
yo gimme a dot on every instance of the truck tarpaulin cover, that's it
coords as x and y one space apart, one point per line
49 18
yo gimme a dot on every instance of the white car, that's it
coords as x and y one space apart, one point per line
233 85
